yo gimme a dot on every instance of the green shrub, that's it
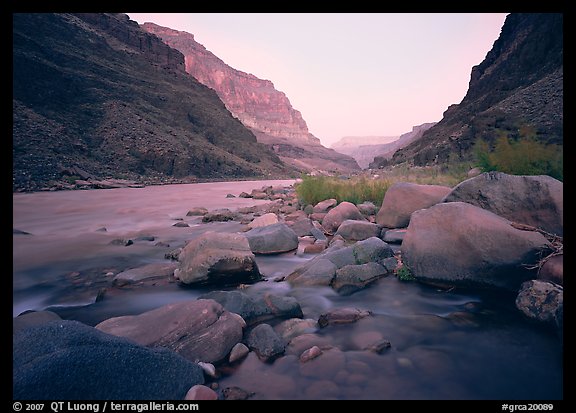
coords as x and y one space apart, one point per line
404 274
314 189
523 156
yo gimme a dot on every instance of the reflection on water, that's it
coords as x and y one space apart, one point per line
443 345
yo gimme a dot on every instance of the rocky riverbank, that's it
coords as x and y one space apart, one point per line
248 333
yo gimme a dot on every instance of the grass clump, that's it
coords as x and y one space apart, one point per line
404 274
314 189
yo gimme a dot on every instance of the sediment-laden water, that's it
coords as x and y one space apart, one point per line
443 344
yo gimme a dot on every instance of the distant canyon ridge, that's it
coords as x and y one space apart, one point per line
266 111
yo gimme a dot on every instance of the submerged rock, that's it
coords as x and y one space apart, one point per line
342 316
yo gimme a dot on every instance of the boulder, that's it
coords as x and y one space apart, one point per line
302 227
68 360
352 278
265 342
324 206
238 352
339 214
197 211
219 215
146 272
257 309
342 316
217 258
272 239
316 272
264 220
199 330
540 300
367 208
353 230
460 244
403 198
394 236
293 327
533 200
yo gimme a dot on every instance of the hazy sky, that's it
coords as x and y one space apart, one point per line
350 74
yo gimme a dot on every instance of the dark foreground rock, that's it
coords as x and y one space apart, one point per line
272 239
217 258
532 200
265 342
457 243
199 330
68 360
540 300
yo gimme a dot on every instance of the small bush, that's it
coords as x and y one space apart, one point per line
524 156
314 189
404 274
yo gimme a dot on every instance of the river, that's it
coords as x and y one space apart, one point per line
444 344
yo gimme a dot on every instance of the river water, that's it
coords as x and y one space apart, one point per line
444 344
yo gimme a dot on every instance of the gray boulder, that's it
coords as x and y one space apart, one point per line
256 309
264 220
540 300
217 258
533 200
339 214
272 239
267 344
352 278
324 206
353 230
199 330
460 244
403 198
220 215
68 360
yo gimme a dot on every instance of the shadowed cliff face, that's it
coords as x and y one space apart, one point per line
518 85
96 92
257 104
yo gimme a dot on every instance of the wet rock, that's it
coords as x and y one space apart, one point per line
319 272
219 215
201 392
174 254
337 215
181 224
236 393
485 250
264 220
230 196
315 248
342 316
352 278
553 270
533 200
145 238
199 330
272 239
303 342
293 327
403 198
121 241
244 195
217 258
146 272
353 230
330 362
310 354
97 366
197 211
257 309
540 300
238 352
208 369
31 319
165 245
394 236
301 227
324 206
265 342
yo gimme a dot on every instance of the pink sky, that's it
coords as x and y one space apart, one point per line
357 74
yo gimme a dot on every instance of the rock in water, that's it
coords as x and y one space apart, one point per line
68 360
533 200
540 300
272 239
146 272
265 342
199 330
460 244
218 258
403 198
354 230
342 316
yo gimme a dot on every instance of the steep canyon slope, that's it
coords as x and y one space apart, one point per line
257 104
517 90
97 94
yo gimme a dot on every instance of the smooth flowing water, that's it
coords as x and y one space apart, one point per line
444 344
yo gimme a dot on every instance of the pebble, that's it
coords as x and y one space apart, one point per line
310 354
208 368
238 352
200 392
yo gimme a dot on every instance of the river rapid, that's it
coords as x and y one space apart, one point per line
444 344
